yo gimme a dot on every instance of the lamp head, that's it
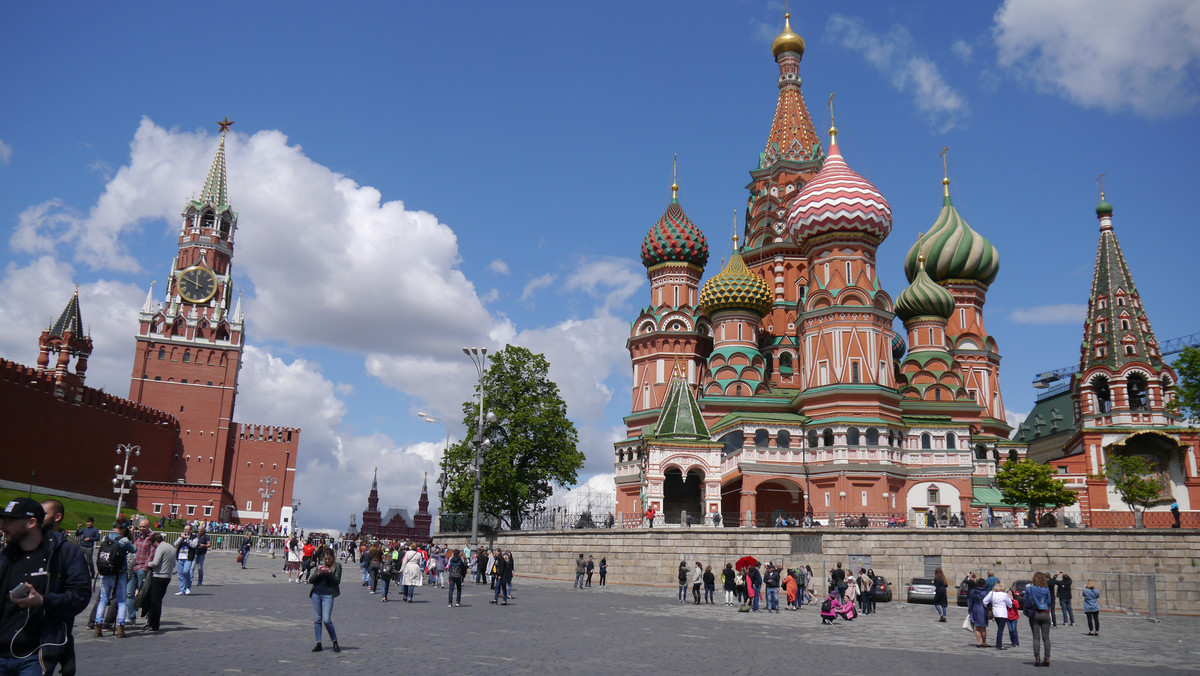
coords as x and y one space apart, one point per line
491 417
422 414
116 468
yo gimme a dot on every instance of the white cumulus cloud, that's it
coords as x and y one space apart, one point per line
537 283
1112 54
499 267
894 55
5 152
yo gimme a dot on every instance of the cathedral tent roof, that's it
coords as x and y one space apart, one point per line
680 417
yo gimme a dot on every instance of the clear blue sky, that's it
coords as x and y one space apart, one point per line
415 177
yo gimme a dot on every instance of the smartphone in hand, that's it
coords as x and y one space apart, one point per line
19 592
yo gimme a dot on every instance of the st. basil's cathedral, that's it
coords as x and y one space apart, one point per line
780 386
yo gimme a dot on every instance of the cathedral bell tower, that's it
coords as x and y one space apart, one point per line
189 346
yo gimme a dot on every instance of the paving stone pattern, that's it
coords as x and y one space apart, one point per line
250 622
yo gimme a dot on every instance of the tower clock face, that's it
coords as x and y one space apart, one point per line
197 285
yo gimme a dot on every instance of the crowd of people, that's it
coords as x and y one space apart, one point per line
990 600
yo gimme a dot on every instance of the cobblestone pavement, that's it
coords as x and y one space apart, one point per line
251 622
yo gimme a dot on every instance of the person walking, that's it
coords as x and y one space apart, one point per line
580 571
87 537
939 594
591 566
161 567
456 570
503 575
114 551
374 559
326 586
247 543
697 580
729 582
37 610
202 544
603 569
683 578
292 566
1052 585
977 611
1064 599
185 556
771 584
999 602
411 569
1091 607
1037 608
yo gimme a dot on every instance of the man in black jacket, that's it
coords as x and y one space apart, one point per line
50 576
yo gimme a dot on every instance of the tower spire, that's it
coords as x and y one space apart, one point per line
945 155
1117 331
216 191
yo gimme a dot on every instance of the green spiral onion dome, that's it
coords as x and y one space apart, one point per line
735 287
952 250
924 298
1103 208
674 238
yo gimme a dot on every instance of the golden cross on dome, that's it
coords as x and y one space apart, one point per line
1100 182
945 161
675 176
832 126
225 124
733 228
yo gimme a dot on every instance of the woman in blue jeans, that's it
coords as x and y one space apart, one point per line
326 587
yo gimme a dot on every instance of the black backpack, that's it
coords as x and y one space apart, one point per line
111 559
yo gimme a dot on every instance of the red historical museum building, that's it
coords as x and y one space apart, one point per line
195 462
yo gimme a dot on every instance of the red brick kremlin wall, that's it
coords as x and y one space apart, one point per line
69 436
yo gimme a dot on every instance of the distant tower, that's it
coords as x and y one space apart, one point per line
66 340
670 331
423 520
371 516
965 263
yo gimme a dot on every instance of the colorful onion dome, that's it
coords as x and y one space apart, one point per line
898 347
1103 208
788 40
952 250
735 287
924 298
839 200
674 238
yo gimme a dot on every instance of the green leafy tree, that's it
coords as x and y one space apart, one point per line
1133 480
532 442
1028 483
1186 403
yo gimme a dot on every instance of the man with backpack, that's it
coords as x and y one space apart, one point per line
110 566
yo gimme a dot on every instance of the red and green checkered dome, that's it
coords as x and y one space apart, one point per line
674 239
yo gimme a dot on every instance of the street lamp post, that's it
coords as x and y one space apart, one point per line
295 521
267 492
123 481
478 357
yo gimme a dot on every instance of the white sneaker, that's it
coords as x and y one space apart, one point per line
179 593
458 605
187 591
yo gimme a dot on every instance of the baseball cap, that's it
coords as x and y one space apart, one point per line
24 508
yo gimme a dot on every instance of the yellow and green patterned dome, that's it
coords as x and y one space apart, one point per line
952 250
735 287
924 298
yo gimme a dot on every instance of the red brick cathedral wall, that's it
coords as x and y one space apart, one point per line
70 439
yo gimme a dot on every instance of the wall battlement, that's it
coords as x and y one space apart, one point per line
43 382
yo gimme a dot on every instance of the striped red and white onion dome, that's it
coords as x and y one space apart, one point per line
839 200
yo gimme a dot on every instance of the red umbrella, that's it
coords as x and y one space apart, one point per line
745 562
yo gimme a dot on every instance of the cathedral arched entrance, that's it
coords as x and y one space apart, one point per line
682 492
778 497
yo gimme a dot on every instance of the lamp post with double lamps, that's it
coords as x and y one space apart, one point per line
478 357
123 481
267 492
